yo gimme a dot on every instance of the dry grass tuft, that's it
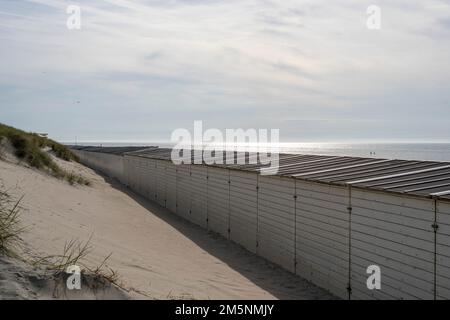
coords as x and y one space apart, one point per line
75 253
10 229
53 266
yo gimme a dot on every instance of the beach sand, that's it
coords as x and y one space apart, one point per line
156 254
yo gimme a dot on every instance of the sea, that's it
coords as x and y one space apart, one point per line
404 151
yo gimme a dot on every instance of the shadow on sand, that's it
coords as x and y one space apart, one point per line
269 277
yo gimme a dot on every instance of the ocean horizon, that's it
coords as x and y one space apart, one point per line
437 151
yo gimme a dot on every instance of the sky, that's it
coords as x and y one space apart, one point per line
137 70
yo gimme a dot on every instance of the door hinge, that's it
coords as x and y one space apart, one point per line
435 226
349 289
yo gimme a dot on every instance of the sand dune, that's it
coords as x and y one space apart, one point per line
20 281
157 254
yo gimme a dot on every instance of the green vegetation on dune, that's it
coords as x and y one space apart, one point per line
10 229
30 147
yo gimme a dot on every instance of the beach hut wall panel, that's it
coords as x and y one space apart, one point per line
218 200
140 176
143 184
126 170
183 191
326 233
276 220
136 180
81 155
161 181
443 250
243 208
322 236
109 164
150 177
395 233
146 178
133 182
171 187
132 168
199 186
92 161
137 176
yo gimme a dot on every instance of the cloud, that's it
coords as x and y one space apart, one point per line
162 64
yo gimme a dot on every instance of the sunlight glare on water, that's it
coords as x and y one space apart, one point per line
406 151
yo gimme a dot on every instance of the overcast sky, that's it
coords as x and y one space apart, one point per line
139 69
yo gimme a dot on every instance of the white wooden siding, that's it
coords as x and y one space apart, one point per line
443 251
148 179
199 195
140 177
394 233
151 168
305 226
110 164
218 200
161 180
276 215
243 208
322 221
132 167
183 191
134 172
171 187
126 170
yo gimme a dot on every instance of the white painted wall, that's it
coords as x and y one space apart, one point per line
305 227
276 220
322 235
109 164
243 209
443 251
218 200
395 233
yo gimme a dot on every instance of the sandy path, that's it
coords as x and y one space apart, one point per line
153 251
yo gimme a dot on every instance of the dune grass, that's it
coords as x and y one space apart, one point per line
10 228
29 147
75 253
55 266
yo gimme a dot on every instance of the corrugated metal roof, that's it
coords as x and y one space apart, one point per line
110 150
418 178
443 194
